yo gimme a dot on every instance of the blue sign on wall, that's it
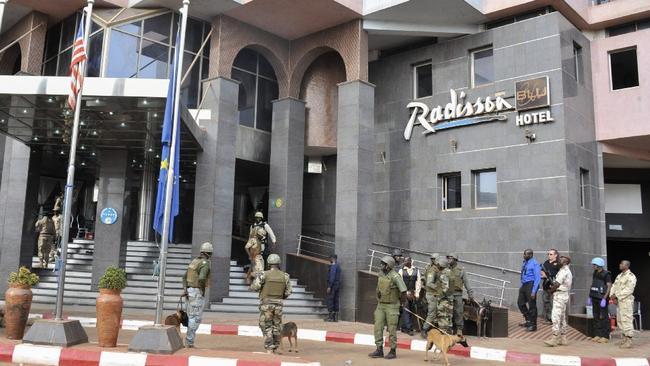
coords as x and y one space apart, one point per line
108 216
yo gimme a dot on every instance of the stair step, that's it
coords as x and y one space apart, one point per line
254 295
153 284
244 287
287 302
144 277
68 286
254 309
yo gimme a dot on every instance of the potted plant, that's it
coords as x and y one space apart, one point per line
18 301
109 306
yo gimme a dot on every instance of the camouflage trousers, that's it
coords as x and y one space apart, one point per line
195 306
558 314
258 264
624 317
432 310
444 312
44 247
386 315
459 309
271 324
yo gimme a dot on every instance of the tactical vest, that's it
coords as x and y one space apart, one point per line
598 284
47 226
260 232
274 285
411 280
193 272
455 279
388 289
433 271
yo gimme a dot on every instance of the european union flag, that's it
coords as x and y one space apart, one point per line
165 155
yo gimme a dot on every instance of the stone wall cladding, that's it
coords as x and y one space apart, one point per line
290 59
31 47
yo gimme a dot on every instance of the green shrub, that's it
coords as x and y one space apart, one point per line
114 278
23 277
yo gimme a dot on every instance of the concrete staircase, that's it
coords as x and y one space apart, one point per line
140 292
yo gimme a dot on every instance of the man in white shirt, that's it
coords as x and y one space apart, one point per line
412 280
560 289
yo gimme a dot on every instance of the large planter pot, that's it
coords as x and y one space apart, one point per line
18 301
109 316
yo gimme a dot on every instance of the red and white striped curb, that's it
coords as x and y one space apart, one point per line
480 353
60 356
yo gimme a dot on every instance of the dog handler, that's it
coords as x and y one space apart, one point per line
391 291
274 286
195 280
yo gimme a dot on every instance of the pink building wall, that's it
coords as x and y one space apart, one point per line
624 112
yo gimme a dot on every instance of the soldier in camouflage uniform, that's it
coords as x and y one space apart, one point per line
195 280
622 292
46 234
430 274
457 281
273 286
445 306
391 291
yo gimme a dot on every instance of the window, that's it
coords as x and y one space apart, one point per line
258 87
482 67
624 69
575 69
485 188
423 80
451 197
584 188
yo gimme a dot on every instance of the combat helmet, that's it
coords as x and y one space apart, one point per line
390 261
274 259
206 247
259 214
442 262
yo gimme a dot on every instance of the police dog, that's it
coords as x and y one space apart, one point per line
289 330
443 343
478 313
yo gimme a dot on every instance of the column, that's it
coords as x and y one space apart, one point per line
215 181
110 239
286 173
354 186
146 202
13 193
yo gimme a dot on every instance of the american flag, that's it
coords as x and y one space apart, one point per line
78 56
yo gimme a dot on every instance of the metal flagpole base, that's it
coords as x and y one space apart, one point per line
56 333
162 339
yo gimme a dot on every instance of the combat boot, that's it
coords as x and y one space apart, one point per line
553 341
627 343
563 340
391 354
336 317
330 317
379 352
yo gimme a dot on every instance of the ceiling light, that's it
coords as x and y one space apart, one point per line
97 101
194 163
122 124
145 102
95 133
83 163
50 99
134 160
111 113
25 111
140 165
184 180
35 138
83 147
82 123
56 132
155 114
157 156
61 152
150 150
2 120
92 153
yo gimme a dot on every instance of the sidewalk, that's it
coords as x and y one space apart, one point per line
578 352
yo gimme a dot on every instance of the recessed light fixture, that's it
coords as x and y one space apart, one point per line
83 147
122 124
35 138
157 156
2 120
150 150
111 113
95 133
134 160
140 165
82 123
83 163
92 153
96 100
61 152
50 99
145 102
56 132
194 163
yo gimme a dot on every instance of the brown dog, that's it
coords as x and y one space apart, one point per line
443 343
289 330
175 320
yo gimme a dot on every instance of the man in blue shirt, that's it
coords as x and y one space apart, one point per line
530 280
333 285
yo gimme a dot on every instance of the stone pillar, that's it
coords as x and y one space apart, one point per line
354 186
215 181
286 173
110 240
146 202
13 192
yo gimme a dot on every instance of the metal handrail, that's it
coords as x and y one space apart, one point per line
319 247
499 285
502 269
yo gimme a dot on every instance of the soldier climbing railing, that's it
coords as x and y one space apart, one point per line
486 286
315 247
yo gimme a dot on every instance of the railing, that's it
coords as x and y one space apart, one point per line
315 247
488 287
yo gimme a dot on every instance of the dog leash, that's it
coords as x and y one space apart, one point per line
424 320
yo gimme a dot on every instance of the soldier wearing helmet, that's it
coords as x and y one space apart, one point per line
601 284
274 286
195 280
430 275
263 232
444 294
391 291
458 280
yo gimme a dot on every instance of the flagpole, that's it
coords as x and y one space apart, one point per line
67 201
169 187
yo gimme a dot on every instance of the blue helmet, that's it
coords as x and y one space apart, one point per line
598 261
